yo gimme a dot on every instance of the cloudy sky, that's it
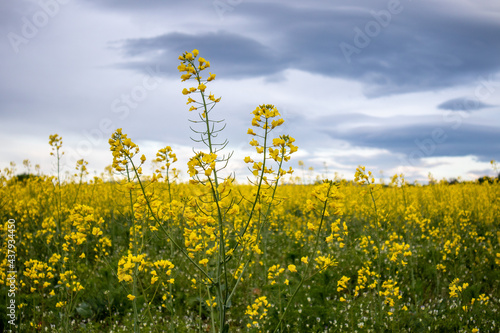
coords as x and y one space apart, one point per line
396 85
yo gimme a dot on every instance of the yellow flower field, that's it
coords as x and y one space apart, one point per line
148 253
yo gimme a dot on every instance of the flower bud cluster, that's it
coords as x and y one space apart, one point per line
68 279
38 274
203 161
127 264
190 69
282 147
273 272
123 150
363 178
81 167
326 192
324 262
166 156
55 141
342 283
390 291
257 311
362 283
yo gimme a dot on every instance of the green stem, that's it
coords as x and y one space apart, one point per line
211 310
221 262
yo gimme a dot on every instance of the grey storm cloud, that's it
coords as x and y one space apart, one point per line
65 79
375 43
235 56
425 140
463 104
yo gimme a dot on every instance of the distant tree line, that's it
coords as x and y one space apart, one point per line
25 176
480 180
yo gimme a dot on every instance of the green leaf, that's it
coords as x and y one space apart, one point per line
84 310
